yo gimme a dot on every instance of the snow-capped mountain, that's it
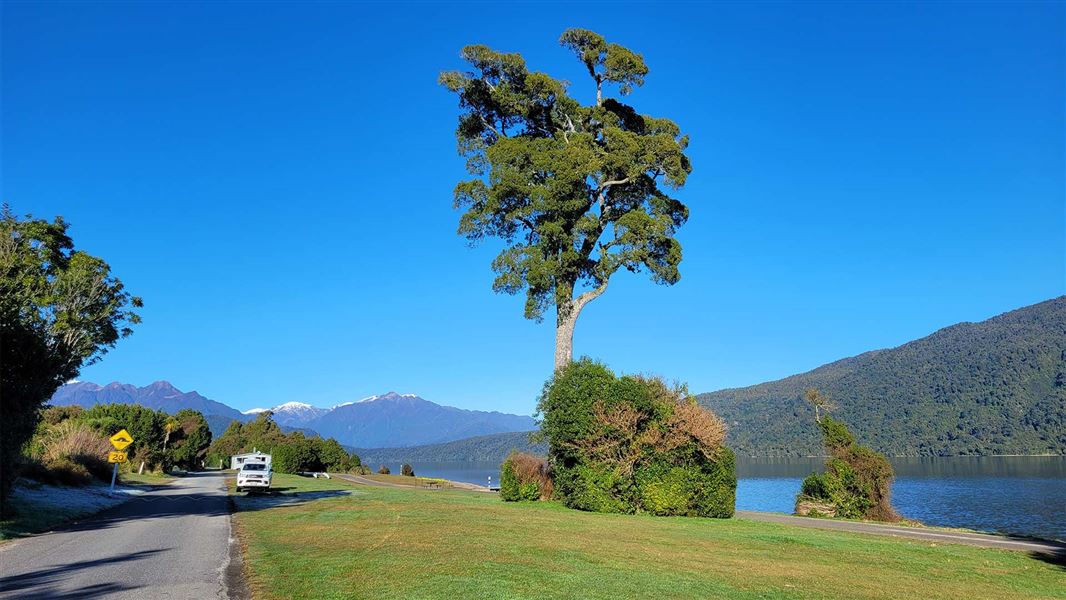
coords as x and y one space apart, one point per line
386 420
406 420
296 414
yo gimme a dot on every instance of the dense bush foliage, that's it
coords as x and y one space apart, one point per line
995 387
407 470
633 444
291 453
70 444
524 477
857 481
383 470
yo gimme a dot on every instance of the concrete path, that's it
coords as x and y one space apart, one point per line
943 536
169 543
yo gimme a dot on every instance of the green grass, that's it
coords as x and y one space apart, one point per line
144 478
409 481
397 543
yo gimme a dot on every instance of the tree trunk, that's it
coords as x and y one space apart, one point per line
566 320
564 336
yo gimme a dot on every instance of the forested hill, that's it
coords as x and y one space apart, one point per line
994 387
493 448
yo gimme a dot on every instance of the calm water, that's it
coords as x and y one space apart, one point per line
1023 495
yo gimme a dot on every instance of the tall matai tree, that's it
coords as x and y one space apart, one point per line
577 192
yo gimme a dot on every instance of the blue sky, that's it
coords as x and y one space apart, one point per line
275 180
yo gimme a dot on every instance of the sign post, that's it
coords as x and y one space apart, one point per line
120 440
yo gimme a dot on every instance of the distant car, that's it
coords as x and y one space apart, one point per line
253 476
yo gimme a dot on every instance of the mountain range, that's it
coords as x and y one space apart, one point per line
386 420
994 387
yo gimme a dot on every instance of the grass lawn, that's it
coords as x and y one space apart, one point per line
338 540
410 481
144 478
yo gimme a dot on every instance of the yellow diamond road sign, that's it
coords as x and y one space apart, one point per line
116 457
120 440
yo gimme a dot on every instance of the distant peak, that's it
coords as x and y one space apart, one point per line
385 396
292 405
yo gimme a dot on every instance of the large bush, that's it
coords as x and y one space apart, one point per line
856 483
524 477
634 444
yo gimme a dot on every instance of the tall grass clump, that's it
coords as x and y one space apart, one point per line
69 452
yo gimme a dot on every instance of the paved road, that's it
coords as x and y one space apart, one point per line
929 535
168 543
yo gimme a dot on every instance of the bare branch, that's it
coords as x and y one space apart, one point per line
486 123
589 296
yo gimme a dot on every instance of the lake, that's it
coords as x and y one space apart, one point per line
1008 494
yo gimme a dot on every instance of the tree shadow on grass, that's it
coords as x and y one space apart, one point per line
261 501
1055 558
41 583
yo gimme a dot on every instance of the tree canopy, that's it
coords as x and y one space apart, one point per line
576 191
60 309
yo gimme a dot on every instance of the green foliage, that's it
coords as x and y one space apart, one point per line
292 453
576 192
60 309
970 389
857 480
294 456
632 444
566 404
524 478
835 436
190 440
68 435
146 426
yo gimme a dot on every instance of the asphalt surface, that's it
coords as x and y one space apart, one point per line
170 543
940 536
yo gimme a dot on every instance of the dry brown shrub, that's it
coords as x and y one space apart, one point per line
70 438
623 434
528 467
701 425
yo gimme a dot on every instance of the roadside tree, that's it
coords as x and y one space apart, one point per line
60 309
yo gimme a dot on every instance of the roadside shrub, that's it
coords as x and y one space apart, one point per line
383 470
524 477
62 471
406 470
857 480
634 444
